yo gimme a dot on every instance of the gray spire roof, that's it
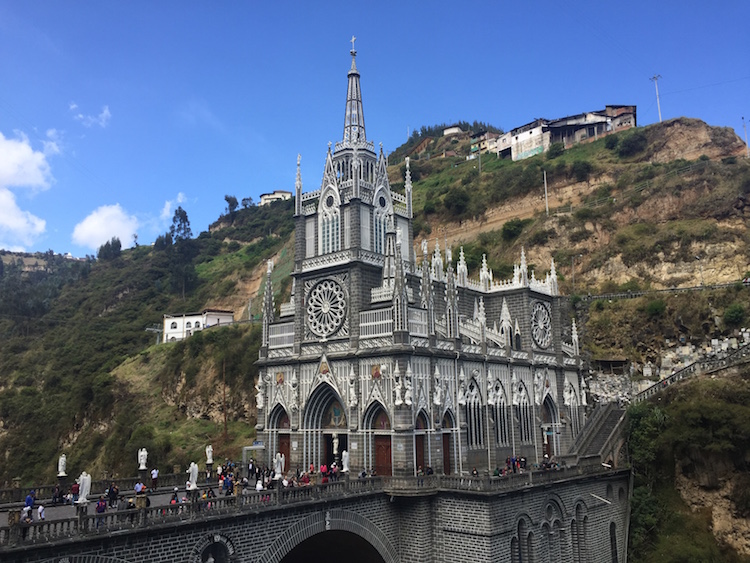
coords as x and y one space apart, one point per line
354 119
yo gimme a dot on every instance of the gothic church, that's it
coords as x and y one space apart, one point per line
399 357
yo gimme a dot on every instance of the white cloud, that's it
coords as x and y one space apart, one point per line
20 167
52 143
104 223
102 120
18 228
167 212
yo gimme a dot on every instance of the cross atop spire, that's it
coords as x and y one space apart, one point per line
354 118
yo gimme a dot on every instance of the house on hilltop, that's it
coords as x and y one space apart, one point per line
277 195
179 327
537 136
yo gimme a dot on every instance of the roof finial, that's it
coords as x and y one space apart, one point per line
353 51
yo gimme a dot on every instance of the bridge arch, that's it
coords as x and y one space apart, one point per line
334 519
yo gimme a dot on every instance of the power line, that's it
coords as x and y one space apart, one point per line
705 86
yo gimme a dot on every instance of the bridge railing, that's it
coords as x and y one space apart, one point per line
706 365
98 487
91 524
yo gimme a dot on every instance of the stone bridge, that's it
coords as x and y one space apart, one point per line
578 514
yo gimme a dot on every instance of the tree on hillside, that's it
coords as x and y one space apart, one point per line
231 205
180 229
109 250
247 202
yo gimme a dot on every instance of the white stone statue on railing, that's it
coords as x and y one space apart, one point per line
142 458
209 454
345 461
84 483
278 465
193 476
61 463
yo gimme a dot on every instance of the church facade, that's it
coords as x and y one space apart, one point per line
399 357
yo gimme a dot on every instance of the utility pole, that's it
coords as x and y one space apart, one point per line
747 148
546 201
655 80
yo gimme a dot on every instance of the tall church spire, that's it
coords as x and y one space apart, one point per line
354 119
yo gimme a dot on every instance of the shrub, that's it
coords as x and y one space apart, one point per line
611 142
512 229
633 144
581 170
457 201
656 308
541 237
555 150
734 314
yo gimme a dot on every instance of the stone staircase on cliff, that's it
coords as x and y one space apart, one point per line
601 439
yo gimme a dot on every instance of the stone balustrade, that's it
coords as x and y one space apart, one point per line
87 523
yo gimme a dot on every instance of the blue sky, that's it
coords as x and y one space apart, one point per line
113 113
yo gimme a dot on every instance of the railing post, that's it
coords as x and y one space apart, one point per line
81 514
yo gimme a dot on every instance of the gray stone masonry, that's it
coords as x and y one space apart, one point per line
556 518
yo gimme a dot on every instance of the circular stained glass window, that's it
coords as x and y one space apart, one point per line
326 308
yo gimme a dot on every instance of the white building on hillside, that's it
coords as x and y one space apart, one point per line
277 195
179 327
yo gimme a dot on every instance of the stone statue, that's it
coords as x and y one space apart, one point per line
399 390
209 454
438 397
61 462
352 392
407 393
84 482
142 457
258 396
335 444
345 461
278 465
462 394
193 476
568 394
538 387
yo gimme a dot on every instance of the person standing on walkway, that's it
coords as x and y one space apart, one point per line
154 478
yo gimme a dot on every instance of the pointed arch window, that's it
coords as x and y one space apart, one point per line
501 412
474 418
524 415
329 223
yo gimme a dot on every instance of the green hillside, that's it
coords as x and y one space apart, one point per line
647 209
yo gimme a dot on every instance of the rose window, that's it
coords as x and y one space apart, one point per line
541 325
326 308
